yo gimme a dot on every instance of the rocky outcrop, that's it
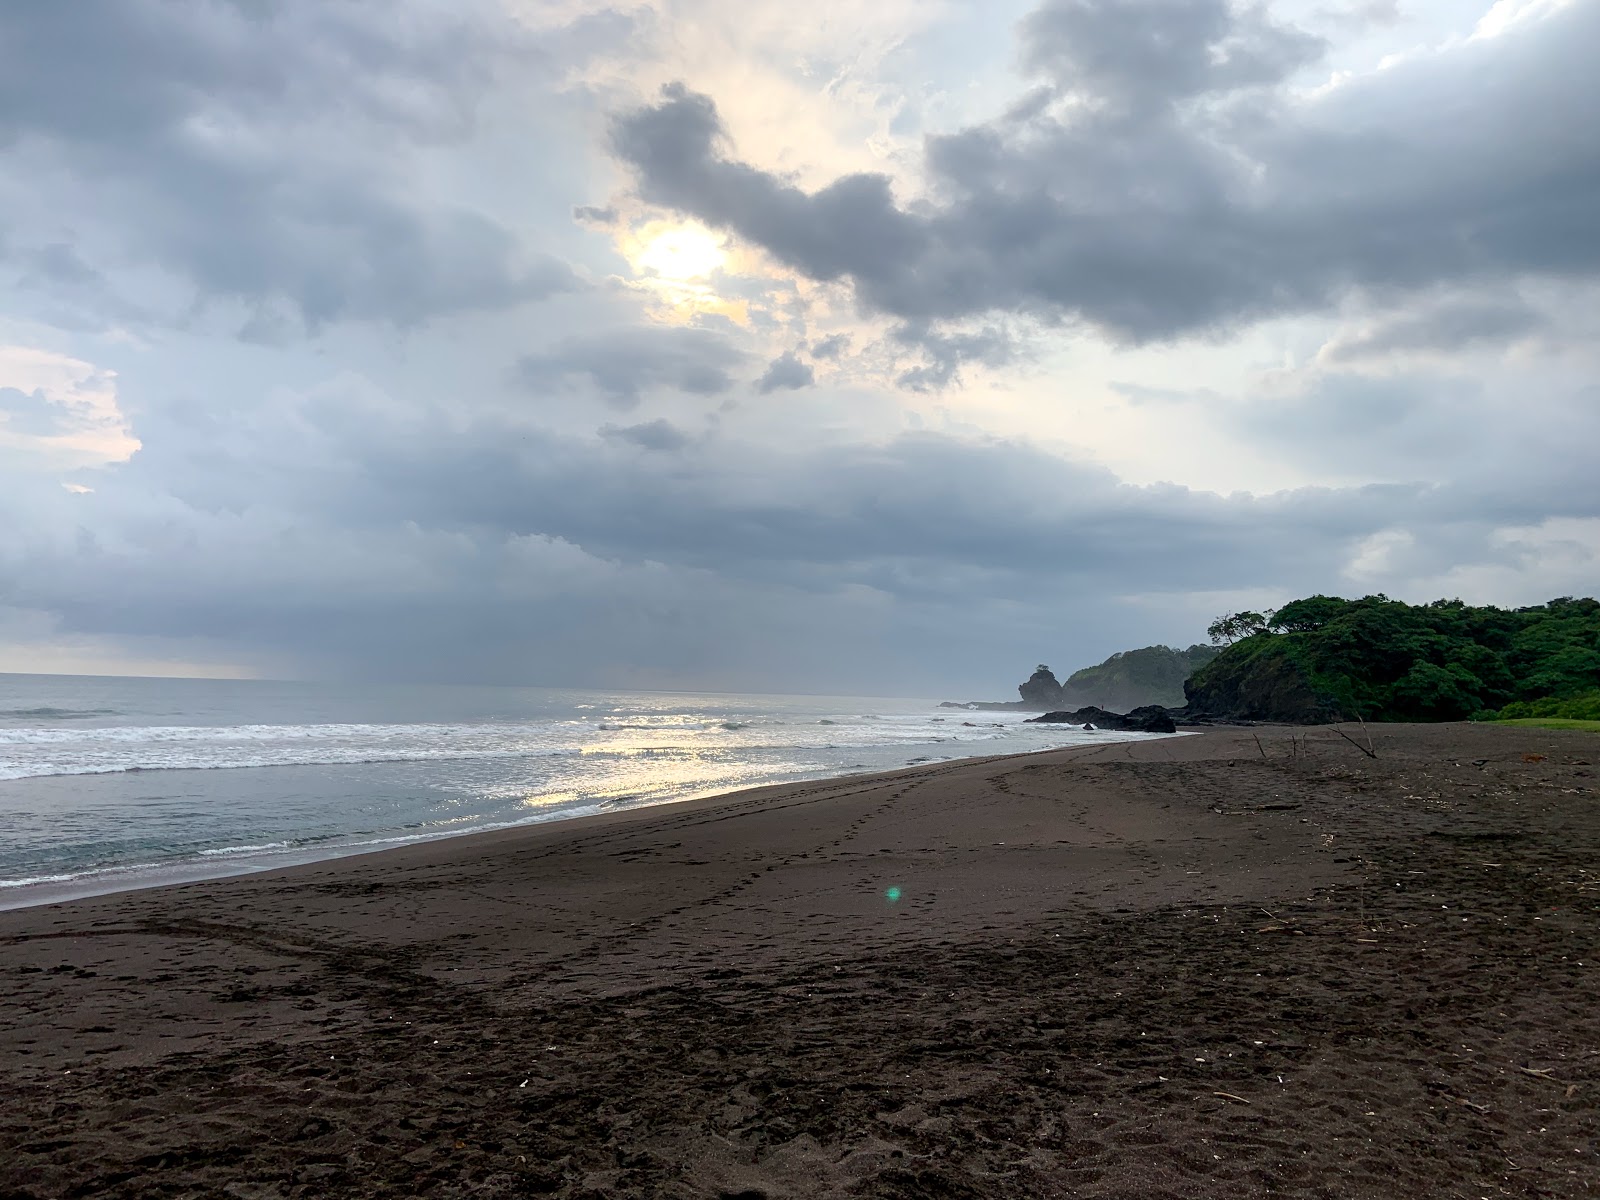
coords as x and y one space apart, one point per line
1258 684
1151 718
1043 689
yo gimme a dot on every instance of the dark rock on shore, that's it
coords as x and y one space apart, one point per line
1151 718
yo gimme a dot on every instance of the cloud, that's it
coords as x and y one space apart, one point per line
407 495
59 412
627 362
659 434
28 414
849 228
831 347
347 529
1137 59
1448 327
1157 203
943 354
786 372
258 153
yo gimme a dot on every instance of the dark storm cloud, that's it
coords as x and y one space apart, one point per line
625 363
1161 185
786 372
184 117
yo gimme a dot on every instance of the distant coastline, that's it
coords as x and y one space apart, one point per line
1127 680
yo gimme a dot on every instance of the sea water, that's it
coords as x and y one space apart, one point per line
114 783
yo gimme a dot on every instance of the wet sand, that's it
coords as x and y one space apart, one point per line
1246 963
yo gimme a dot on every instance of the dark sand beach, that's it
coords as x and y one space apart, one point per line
1245 963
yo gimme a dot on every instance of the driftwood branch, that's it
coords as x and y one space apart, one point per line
1367 750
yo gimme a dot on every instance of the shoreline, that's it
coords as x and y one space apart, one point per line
181 872
1198 967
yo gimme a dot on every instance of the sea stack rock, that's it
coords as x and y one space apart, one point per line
1043 689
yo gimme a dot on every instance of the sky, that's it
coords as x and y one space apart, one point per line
738 345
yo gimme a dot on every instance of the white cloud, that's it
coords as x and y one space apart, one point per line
59 412
1507 14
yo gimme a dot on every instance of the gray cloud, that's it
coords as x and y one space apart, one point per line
56 263
830 348
659 434
786 372
1136 59
927 502
28 413
626 362
377 536
1453 325
848 228
1525 453
1158 181
192 123
943 354
1193 197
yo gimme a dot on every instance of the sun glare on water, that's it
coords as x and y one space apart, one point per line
682 252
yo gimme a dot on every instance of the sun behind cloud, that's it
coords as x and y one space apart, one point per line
679 252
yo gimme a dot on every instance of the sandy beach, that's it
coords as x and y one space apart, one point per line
1244 963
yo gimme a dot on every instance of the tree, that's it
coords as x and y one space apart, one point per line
1310 614
1231 627
1387 660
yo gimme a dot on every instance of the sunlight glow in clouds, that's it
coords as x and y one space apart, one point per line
681 252
878 339
674 263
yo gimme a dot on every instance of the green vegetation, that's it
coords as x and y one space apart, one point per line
1326 658
1133 678
1552 723
1585 706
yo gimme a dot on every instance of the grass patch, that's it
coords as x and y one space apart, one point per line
1551 723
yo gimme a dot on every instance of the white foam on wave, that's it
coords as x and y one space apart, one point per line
264 846
40 752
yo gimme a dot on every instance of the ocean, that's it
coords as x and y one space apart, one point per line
115 783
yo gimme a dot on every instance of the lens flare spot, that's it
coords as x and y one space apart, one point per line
892 895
